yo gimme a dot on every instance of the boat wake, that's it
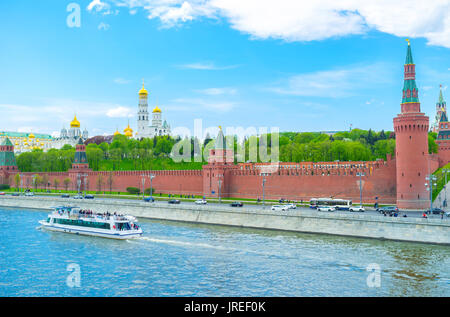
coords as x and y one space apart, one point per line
207 246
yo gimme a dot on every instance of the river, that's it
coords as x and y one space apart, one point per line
179 259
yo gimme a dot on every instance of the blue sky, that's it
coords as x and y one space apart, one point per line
297 66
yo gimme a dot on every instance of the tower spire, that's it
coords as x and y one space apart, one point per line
410 91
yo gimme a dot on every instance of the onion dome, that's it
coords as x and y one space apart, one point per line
75 123
143 92
156 109
117 132
128 131
31 136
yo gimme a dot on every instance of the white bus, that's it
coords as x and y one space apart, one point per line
339 204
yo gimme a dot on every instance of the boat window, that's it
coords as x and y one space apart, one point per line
123 226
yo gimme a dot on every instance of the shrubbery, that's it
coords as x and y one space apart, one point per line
133 190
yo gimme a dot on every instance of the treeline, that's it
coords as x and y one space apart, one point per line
157 153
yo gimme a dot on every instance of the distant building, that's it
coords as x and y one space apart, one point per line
158 127
70 136
25 142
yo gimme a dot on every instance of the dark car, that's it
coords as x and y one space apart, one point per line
15 194
388 209
149 199
89 196
174 201
65 196
237 204
436 211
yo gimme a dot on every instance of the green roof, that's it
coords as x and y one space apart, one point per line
443 117
6 141
24 135
409 59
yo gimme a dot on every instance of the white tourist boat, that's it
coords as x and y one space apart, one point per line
85 222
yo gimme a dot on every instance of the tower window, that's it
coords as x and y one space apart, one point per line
410 185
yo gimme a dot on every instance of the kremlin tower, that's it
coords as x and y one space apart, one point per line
443 130
411 139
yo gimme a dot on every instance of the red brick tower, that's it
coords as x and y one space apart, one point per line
215 174
411 141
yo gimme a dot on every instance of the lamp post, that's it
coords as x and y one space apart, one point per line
21 182
34 181
360 186
84 177
152 176
445 171
431 182
220 185
78 183
143 186
263 187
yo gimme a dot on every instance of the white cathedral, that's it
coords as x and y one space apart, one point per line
158 127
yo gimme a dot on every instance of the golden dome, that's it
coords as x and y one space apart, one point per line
75 123
143 92
116 133
128 131
156 109
31 136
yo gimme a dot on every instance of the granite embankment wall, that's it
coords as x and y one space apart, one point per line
357 225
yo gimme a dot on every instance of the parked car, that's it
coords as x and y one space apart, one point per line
388 209
29 194
201 202
356 208
279 207
89 196
65 196
149 199
325 208
237 204
15 194
447 213
291 206
174 201
435 211
2 193
78 197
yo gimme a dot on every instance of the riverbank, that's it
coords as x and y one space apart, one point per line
435 231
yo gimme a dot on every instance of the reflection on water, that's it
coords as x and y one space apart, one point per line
182 259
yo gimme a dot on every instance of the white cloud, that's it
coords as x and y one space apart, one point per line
119 112
335 83
294 20
97 5
54 114
206 66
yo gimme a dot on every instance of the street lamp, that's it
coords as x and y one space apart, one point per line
152 176
445 171
360 187
263 186
431 182
220 185
143 186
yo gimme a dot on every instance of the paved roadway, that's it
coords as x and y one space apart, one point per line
212 205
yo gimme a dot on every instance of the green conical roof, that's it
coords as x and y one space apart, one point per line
443 118
410 82
220 140
441 98
6 141
409 59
